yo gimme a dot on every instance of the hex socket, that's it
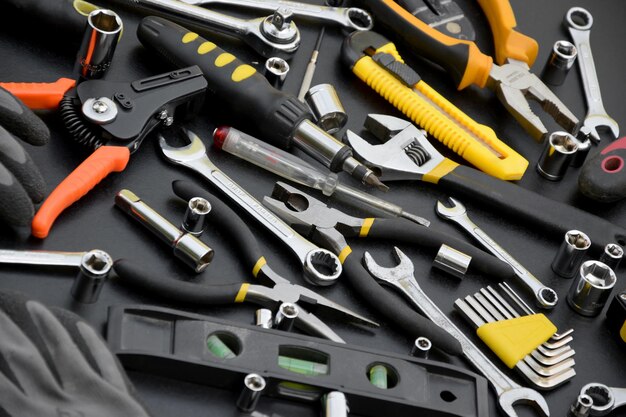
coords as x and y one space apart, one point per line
188 248
99 42
612 255
327 108
421 347
253 386
196 216
559 63
335 404
591 289
557 156
286 316
571 254
94 270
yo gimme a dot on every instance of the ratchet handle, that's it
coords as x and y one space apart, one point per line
224 216
400 314
40 96
528 207
239 90
508 42
429 238
95 168
461 59
603 177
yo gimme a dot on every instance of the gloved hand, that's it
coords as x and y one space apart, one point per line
55 364
21 184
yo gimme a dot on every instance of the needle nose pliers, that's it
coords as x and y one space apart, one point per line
274 290
509 77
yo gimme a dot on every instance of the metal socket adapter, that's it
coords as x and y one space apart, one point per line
591 289
327 108
571 253
559 63
276 70
452 261
196 216
557 156
94 270
188 248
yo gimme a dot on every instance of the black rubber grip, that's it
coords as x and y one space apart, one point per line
431 239
149 281
226 219
255 106
21 121
603 177
527 207
16 209
403 317
453 58
20 164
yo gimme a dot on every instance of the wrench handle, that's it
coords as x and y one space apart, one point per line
238 90
529 207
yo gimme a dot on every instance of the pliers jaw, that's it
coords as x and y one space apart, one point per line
514 85
311 218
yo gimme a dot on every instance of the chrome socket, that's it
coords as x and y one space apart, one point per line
581 407
253 386
421 347
276 70
557 156
188 248
571 254
591 290
264 318
559 63
94 270
452 261
335 404
612 256
196 216
286 316
98 45
327 108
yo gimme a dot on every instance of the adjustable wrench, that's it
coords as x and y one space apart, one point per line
509 392
545 297
274 35
596 114
321 267
348 17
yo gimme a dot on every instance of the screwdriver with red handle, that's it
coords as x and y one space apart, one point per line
256 107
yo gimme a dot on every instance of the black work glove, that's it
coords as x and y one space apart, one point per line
55 364
21 184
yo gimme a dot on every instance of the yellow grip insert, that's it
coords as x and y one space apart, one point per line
622 332
508 42
513 339
474 142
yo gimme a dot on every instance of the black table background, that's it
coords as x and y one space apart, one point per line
30 53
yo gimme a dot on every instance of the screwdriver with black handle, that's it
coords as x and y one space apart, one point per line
273 115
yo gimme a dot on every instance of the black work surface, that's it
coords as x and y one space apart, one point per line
94 222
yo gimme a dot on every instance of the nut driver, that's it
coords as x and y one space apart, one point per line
407 155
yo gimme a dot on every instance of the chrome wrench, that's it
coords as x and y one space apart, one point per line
274 35
546 297
321 267
509 392
605 399
580 33
349 17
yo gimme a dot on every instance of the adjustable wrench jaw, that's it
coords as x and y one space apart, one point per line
406 153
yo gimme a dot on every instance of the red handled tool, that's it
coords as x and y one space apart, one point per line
603 177
114 118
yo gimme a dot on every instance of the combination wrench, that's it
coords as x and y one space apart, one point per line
546 297
274 35
605 399
579 21
349 17
321 267
509 392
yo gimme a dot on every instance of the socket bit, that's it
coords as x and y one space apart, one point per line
421 347
571 254
253 386
612 256
286 316
561 60
591 289
196 216
188 248
557 156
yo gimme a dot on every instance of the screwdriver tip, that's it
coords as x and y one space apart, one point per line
372 179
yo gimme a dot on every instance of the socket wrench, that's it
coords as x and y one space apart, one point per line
274 35
321 267
349 17
545 297
579 21
94 267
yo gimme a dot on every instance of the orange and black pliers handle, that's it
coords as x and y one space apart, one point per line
41 96
462 59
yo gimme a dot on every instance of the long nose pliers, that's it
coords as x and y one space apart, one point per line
271 293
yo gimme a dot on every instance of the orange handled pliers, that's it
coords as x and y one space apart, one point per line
509 77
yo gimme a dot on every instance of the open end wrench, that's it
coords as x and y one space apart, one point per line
349 17
509 392
605 399
546 297
579 21
321 267
274 35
